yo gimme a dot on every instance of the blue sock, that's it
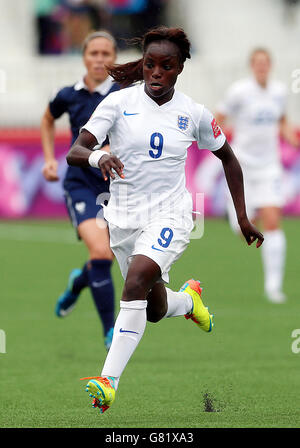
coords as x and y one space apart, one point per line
81 281
101 285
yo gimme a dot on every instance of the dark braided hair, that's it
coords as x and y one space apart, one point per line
126 74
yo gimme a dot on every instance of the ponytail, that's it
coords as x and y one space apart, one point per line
126 74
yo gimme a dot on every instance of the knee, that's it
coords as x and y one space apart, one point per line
100 252
142 275
134 288
271 217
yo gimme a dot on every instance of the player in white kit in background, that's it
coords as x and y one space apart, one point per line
257 108
150 127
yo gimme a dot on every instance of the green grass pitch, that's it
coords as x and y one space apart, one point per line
243 374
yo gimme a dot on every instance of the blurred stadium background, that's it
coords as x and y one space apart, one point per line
40 52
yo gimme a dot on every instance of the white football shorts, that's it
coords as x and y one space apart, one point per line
260 192
163 240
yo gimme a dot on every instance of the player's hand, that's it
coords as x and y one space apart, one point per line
250 232
49 170
108 163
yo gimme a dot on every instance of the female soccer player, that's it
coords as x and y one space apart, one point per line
257 108
83 185
150 127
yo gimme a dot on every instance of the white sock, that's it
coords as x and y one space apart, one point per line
273 254
179 303
128 331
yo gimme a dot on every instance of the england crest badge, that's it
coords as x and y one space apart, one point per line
183 122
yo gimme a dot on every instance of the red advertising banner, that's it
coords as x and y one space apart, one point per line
23 190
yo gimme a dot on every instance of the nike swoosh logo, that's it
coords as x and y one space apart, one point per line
153 247
98 284
126 114
127 331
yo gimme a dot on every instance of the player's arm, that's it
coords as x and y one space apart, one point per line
82 149
49 169
234 177
223 121
288 133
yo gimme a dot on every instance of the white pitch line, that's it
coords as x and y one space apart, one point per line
37 234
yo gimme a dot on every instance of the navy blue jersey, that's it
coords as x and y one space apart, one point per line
79 103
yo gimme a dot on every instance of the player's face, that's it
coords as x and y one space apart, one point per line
261 66
161 67
99 53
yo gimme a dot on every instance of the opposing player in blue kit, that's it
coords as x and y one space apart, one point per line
150 127
82 185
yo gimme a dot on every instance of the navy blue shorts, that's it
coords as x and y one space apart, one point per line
82 204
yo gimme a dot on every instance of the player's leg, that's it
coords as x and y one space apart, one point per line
144 298
147 266
98 268
141 289
87 217
164 242
130 324
129 328
77 281
269 200
78 278
273 253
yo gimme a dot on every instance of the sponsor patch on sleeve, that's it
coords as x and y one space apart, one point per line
216 128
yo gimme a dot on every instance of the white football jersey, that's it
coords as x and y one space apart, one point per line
151 141
255 112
